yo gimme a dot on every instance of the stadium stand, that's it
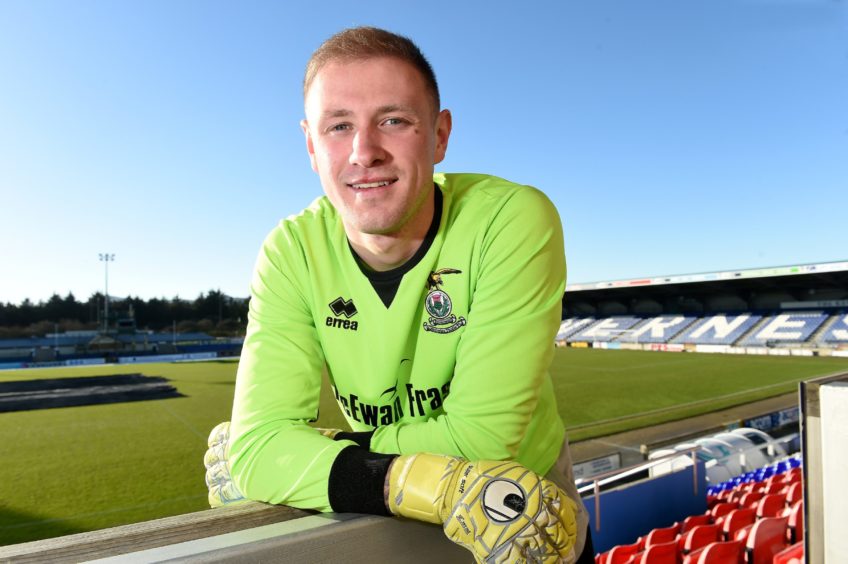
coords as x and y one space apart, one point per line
719 329
657 329
571 325
750 329
837 331
738 527
606 329
799 309
79 346
794 327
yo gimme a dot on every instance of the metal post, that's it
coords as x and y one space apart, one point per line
694 472
597 505
105 258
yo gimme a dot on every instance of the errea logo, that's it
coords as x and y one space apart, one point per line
339 307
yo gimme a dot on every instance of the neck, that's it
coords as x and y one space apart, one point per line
388 251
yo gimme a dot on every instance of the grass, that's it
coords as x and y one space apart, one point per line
76 469
600 392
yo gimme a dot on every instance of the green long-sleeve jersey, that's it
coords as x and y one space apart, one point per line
456 364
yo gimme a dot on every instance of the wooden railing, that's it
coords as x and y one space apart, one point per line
251 532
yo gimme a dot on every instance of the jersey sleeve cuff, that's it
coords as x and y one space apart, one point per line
356 481
362 438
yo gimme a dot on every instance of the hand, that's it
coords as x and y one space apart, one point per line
222 490
500 511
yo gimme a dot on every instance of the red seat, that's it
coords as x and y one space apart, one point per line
774 478
737 493
662 535
692 557
621 554
730 552
790 555
753 487
694 521
774 487
771 505
601 557
795 522
721 509
742 534
792 476
661 553
750 498
737 519
699 537
767 538
794 493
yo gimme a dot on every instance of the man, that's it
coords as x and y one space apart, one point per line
433 301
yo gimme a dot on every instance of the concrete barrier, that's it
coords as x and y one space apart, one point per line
251 532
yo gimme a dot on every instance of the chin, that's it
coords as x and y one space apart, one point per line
372 224
377 229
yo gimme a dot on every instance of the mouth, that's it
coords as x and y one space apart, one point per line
370 185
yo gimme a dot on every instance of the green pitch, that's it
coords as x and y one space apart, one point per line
76 469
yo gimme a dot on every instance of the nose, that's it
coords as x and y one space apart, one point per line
367 151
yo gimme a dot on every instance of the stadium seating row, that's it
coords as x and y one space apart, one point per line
756 520
744 329
787 470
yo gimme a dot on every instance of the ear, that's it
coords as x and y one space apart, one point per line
444 122
310 148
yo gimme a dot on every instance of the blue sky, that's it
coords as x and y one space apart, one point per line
674 137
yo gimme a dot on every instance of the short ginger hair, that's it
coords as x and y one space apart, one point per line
359 43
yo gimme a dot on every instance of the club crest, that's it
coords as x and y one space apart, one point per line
439 306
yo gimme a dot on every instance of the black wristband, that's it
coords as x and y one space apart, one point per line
362 438
356 482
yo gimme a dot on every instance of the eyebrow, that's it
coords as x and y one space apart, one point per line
391 108
336 113
387 109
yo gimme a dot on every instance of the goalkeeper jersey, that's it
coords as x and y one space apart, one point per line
456 364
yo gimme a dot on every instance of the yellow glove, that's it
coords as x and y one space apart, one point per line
222 490
500 511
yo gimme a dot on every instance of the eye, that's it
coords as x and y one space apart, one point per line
395 121
338 127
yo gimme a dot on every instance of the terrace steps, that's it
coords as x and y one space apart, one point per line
753 330
823 328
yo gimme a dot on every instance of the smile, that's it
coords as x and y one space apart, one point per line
369 185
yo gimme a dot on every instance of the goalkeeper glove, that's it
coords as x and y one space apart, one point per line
222 490
500 511
219 482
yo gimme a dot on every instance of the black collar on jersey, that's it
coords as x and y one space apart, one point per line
386 283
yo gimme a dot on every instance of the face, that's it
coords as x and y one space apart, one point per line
373 137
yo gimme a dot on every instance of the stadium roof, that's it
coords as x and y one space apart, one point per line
770 272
